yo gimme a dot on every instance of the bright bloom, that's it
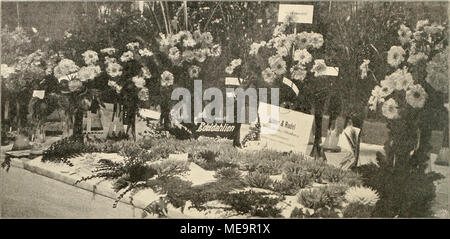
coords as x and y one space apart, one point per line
126 56
395 56
316 40
64 68
194 71
145 52
319 67
268 75
404 34
404 81
301 40
361 195
302 56
229 70
278 65
146 73
174 54
143 94
114 69
390 109
110 60
166 78
364 67
88 73
420 25
254 48
200 56
90 57
132 46
282 51
109 50
138 81
280 29
189 42
216 50
298 72
416 96
207 38
188 55
6 70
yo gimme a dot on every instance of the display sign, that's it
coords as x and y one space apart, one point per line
299 13
147 113
39 94
289 131
232 81
331 71
223 130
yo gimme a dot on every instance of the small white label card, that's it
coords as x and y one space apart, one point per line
299 13
232 81
291 84
147 113
39 94
331 71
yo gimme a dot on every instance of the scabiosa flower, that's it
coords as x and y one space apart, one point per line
174 54
416 96
132 46
138 81
404 80
145 52
316 40
361 195
188 55
319 67
88 73
279 30
90 57
109 51
200 55
166 78
194 71
420 25
114 69
404 34
189 42
207 38
64 68
415 58
278 66
268 75
390 109
298 72
146 73
301 40
395 56
110 60
143 94
302 56
126 56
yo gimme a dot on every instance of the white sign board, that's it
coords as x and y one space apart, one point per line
146 113
331 71
39 94
300 13
290 132
232 81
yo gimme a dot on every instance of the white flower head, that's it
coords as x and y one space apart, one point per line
319 67
194 72
302 56
88 73
395 56
364 67
132 46
114 69
90 57
109 50
404 34
420 25
416 96
298 72
390 109
277 65
138 81
167 78
174 54
64 68
200 55
6 70
361 195
216 50
146 73
416 58
143 94
316 40
189 42
268 75
126 56
145 52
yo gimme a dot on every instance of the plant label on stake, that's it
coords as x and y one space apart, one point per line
39 94
291 84
331 71
299 13
232 81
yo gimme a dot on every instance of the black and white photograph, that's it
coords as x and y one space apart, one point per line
224 110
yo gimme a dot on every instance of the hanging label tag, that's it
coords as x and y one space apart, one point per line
39 94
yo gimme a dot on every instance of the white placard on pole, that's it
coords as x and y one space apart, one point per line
232 81
300 13
39 94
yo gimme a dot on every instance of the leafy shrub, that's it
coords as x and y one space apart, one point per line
254 203
334 175
319 213
170 167
61 151
329 196
227 173
296 175
315 168
258 180
357 210
284 187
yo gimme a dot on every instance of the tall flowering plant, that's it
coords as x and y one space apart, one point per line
406 101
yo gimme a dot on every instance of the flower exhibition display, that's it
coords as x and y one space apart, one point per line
95 105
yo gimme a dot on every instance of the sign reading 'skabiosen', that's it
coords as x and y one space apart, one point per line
284 129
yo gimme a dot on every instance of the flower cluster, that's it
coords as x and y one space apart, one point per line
399 90
289 55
